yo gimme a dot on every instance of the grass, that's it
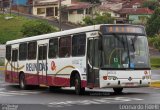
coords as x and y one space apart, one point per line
10 29
155 62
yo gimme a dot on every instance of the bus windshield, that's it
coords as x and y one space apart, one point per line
125 51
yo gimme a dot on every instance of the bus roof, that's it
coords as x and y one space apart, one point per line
55 34
60 33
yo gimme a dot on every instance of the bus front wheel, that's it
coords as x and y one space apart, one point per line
78 89
118 90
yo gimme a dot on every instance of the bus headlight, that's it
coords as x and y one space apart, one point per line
146 77
112 78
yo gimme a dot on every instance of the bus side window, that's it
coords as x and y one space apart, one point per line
23 51
65 46
78 45
32 50
53 48
8 52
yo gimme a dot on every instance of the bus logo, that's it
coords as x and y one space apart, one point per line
53 66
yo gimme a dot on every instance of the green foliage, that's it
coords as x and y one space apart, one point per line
143 19
99 19
155 61
10 28
154 41
153 24
36 27
88 20
151 4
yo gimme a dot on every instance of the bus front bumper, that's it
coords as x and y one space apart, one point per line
125 83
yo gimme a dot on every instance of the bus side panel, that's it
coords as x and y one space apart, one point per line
60 69
30 71
31 79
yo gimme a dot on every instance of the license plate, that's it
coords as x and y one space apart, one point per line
129 84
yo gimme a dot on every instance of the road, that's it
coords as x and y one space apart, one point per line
65 98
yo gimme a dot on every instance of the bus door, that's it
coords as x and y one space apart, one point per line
92 63
14 64
42 64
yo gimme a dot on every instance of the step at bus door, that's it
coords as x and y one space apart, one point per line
42 64
14 65
92 63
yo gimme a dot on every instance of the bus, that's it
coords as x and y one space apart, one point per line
99 56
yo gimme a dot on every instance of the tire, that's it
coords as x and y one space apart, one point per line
118 90
22 82
78 89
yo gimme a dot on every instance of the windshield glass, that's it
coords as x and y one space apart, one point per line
125 51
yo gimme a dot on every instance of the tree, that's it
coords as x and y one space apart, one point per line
36 27
143 19
153 24
151 4
105 18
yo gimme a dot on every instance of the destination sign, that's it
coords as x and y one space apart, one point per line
108 29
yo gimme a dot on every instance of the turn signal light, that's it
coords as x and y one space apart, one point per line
105 77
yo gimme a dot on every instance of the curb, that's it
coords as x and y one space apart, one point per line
155 83
2 68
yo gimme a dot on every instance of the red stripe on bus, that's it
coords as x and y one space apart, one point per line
35 79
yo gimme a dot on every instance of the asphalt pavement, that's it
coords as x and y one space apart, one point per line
65 99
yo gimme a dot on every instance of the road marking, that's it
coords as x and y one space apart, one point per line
1 89
17 93
94 101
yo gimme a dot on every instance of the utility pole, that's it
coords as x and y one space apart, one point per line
60 17
18 7
3 6
10 7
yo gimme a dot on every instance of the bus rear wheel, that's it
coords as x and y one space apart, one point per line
118 90
22 82
78 89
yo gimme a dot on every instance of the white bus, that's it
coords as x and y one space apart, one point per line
100 56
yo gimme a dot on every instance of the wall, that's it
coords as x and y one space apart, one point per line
20 2
43 15
76 18
2 51
136 19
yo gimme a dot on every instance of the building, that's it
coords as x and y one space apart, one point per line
48 8
109 7
23 6
4 4
136 15
78 11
